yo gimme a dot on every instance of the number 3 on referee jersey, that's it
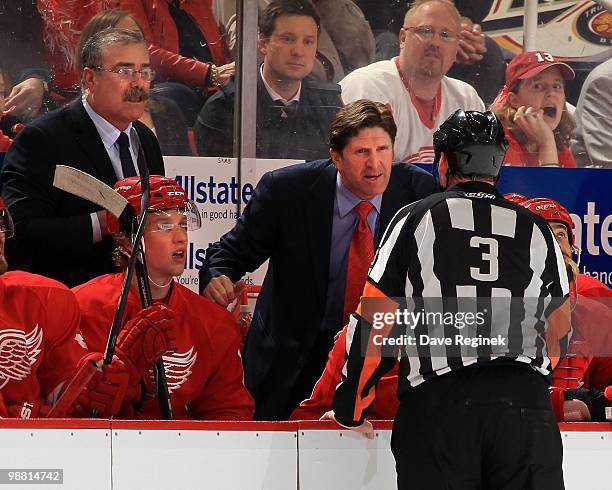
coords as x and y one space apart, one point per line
490 256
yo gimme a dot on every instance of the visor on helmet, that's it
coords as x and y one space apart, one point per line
189 210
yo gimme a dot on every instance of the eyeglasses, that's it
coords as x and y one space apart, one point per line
127 72
427 33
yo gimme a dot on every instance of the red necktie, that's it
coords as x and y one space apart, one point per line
361 253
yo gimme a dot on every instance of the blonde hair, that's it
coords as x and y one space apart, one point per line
506 112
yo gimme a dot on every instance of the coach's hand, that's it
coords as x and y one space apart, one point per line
222 290
366 428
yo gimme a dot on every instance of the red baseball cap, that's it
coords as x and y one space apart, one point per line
530 63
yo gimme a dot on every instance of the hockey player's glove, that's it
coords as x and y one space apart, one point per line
106 390
142 341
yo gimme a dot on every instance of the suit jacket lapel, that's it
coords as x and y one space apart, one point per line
90 143
319 219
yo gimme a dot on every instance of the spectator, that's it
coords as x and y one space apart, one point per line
414 85
57 234
305 219
22 63
342 46
203 369
532 108
186 47
294 111
492 396
161 115
42 348
479 61
591 144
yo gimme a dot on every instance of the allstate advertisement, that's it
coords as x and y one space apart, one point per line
212 183
587 194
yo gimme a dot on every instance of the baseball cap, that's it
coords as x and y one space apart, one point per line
530 63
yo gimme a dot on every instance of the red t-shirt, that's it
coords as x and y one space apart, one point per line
518 156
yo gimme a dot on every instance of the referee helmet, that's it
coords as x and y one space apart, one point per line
473 143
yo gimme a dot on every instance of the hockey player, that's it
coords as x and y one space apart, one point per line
465 246
204 369
586 371
41 348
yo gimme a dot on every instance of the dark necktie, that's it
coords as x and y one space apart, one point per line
290 109
361 253
127 164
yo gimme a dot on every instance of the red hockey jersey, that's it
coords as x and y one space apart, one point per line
40 345
204 373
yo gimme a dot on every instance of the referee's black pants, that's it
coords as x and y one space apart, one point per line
487 428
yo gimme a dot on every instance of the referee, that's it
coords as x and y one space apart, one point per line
469 291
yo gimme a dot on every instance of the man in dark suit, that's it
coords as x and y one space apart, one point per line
303 218
294 110
57 234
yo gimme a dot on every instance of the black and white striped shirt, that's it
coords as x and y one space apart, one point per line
466 251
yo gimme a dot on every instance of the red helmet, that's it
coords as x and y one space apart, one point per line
164 193
515 197
551 210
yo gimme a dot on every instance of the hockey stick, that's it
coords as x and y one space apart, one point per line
142 276
82 184
72 391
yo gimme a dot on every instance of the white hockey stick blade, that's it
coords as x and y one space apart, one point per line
82 184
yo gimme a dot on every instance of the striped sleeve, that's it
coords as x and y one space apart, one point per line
370 355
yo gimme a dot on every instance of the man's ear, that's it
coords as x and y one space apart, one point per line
335 157
262 44
88 77
402 37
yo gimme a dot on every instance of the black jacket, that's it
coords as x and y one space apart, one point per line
53 231
289 220
302 135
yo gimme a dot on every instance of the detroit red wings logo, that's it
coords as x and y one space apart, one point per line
18 352
178 367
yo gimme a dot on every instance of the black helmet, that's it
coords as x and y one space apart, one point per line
473 142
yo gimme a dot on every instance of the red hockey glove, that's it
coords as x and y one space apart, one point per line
105 392
143 340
